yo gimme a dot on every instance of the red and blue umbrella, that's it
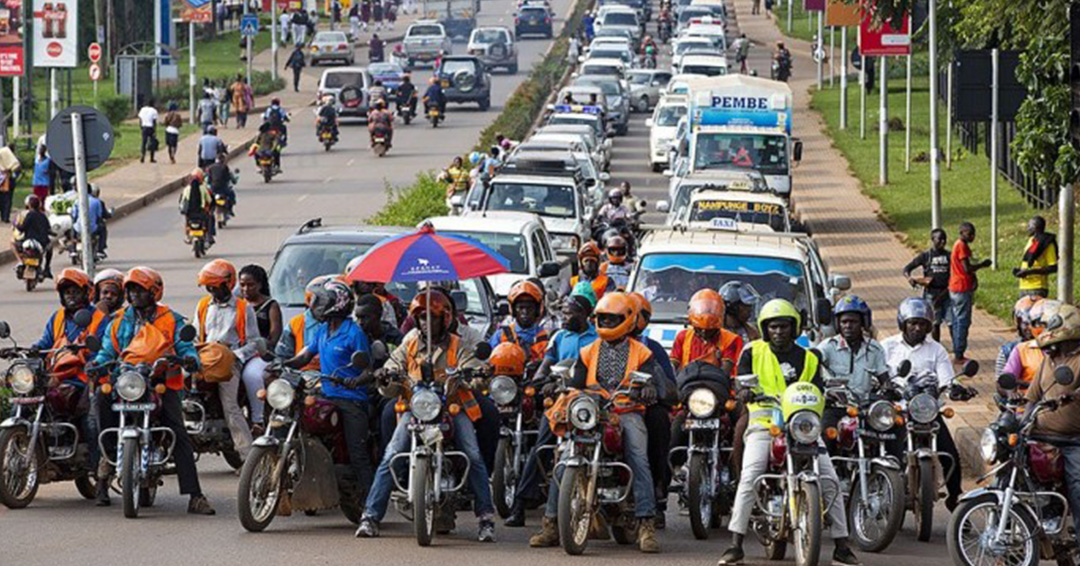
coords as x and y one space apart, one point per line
427 256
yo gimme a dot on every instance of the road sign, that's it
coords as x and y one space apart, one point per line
94 52
95 72
97 135
883 38
249 25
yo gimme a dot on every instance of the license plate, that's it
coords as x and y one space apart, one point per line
133 407
26 400
446 84
196 232
380 140
33 262
705 424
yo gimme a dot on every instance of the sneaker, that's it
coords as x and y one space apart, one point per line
844 557
660 521
487 531
103 493
368 528
516 518
731 556
198 505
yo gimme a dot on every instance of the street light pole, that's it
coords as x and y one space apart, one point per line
883 125
994 87
843 78
1066 232
935 168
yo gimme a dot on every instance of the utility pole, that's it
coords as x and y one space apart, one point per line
1066 233
191 72
274 31
935 168
883 125
994 87
819 50
907 119
247 47
843 78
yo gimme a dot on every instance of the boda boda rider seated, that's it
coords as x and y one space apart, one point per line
591 271
144 332
525 328
778 362
607 365
618 267
381 119
328 114
448 352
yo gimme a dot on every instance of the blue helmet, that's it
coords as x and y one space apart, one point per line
852 303
914 307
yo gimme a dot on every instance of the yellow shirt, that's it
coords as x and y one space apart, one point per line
1048 258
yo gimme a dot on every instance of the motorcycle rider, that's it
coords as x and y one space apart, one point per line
269 139
277 117
607 364
434 95
778 362
456 178
109 290
196 202
618 264
221 180
524 327
375 49
376 93
1022 318
328 116
613 209
649 49
144 332
928 358
301 328
1026 358
228 322
32 224
406 95
381 120
782 61
706 339
740 300
448 352
591 271
97 219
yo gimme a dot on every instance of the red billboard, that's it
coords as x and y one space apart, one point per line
814 5
11 39
883 39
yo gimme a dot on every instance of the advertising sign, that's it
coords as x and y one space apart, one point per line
198 11
814 5
11 39
55 32
841 14
884 39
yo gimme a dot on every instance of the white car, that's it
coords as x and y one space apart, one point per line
662 125
714 32
356 79
614 16
733 210
610 43
573 135
704 65
606 67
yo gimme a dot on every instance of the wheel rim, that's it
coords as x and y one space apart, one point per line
872 514
802 530
579 515
510 480
705 499
264 489
429 505
18 457
976 528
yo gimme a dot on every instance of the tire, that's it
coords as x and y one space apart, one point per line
964 519
504 480
624 535
379 149
925 494
256 504
775 550
435 123
657 167
423 506
18 490
232 458
30 284
147 495
327 145
573 519
87 486
513 69
891 501
267 174
485 104
408 118
129 477
643 104
699 501
807 524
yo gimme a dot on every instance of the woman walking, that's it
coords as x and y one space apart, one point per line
255 289
42 182
241 100
173 121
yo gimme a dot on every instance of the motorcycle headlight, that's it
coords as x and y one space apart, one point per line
805 427
923 408
279 394
882 416
701 402
988 445
503 390
425 405
584 414
21 379
131 386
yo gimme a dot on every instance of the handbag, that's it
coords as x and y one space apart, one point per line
154 143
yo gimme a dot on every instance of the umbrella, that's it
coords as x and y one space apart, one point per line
427 256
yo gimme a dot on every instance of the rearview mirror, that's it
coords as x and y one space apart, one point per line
748 381
669 173
824 311
187 333
663 206
379 352
648 122
1064 375
84 317
549 269
797 151
360 360
972 367
1007 381
483 351
461 299
840 282
562 369
5 329
904 368
92 343
605 176
502 308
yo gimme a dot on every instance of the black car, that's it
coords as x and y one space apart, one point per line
465 79
535 20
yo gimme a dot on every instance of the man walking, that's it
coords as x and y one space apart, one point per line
935 277
148 117
742 51
296 63
1039 260
962 284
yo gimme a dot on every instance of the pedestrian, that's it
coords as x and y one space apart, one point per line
962 284
935 277
241 100
41 179
573 51
207 111
222 14
365 13
210 146
391 14
224 101
588 22
1039 260
9 168
310 23
768 8
756 7
148 117
299 27
296 63
354 20
377 13
742 51
285 23
335 15
173 122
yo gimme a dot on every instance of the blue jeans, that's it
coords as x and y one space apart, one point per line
464 439
1072 482
961 320
636 455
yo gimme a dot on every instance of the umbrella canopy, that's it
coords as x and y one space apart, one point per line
427 256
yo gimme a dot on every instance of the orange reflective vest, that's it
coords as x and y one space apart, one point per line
539 345
639 355
1031 359
464 395
152 341
297 325
599 285
241 318
65 364
726 338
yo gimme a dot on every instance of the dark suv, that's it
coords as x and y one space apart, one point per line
535 20
465 79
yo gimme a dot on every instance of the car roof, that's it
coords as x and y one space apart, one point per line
554 179
704 58
603 61
358 234
763 244
499 222
737 195
577 116
328 32
589 89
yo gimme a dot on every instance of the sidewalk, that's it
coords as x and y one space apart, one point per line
854 241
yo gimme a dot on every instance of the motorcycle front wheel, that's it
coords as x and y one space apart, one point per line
87 486
504 480
699 496
574 515
967 537
806 524
129 477
925 496
423 499
18 468
267 173
876 520
259 489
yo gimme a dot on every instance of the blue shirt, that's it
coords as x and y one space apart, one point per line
526 337
97 212
335 350
661 356
126 330
41 172
566 345
209 146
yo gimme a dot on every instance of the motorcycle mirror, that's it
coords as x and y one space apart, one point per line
904 369
379 352
483 351
360 360
562 369
5 329
971 368
640 378
92 343
1007 381
549 269
503 308
84 317
748 381
461 299
187 333
1064 375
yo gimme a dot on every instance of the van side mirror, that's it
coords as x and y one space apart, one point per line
549 269
187 333
461 299
797 150
648 122
824 311
502 309
5 329
663 206
840 282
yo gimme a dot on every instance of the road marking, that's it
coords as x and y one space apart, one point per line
350 162
302 198
327 180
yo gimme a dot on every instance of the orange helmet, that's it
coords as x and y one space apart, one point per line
1022 308
526 288
440 307
589 249
216 273
616 316
507 359
77 277
706 310
309 290
147 278
644 309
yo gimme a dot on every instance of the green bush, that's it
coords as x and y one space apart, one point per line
261 83
116 108
409 205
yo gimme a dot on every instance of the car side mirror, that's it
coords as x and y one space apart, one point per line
663 206
669 173
483 351
5 329
92 344
1007 381
824 311
1064 375
972 367
84 317
797 151
502 309
590 182
607 143
187 333
549 269
360 360
904 369
648 122
840 282
460 298
605 176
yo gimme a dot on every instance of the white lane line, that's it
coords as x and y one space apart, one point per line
350 162
327 180
302 198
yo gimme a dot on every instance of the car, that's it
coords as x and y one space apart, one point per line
603 67
331 46
731 208
593 121
535 20
586 95
349 87
703 65
570 135
519 237
552 143
719 11
611 51
611 42
646 85
662 125
425 42
674 264
620 17
465 80
696 43
390 75
315 250
691 13
619 32
714 32
617 97
495 46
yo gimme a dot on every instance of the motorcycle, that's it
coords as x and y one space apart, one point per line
205 421
923 470
41 441
197 234
648 61
31 268
380 140
407 110
517 435
223 209
1023 515
144 448
264 161
433 114
61 223
790 506
327 137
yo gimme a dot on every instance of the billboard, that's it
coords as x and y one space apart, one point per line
198 11
55 32
841 14
814 5
11 38
884 39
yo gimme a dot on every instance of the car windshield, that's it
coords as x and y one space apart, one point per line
453 66
613 32
602 70
762 152
715 211
343 79
669 115
510 246
489 36
575 120
546 200
684 46
472 287
424 30
533 13
298 264
383 69
639 78
608 87
620 19
668 280
610 54
330 37
693 12
706 70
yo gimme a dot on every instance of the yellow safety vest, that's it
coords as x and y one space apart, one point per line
771 379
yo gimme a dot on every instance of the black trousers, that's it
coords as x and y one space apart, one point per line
354 415
487 428
147 142
5 206
528 488
296 78
172 416
658 425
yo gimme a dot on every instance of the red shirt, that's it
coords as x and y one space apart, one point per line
699 348
959 280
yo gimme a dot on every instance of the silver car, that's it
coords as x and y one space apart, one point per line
331 46
646 86
495 46
425 42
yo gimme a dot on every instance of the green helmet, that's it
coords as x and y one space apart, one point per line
802 396
584 289
778 308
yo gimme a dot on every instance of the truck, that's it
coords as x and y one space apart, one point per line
457 16
739 122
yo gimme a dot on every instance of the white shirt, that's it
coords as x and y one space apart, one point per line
148 116
927 357
221 327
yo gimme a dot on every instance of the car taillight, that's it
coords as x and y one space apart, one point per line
547 20
342 47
